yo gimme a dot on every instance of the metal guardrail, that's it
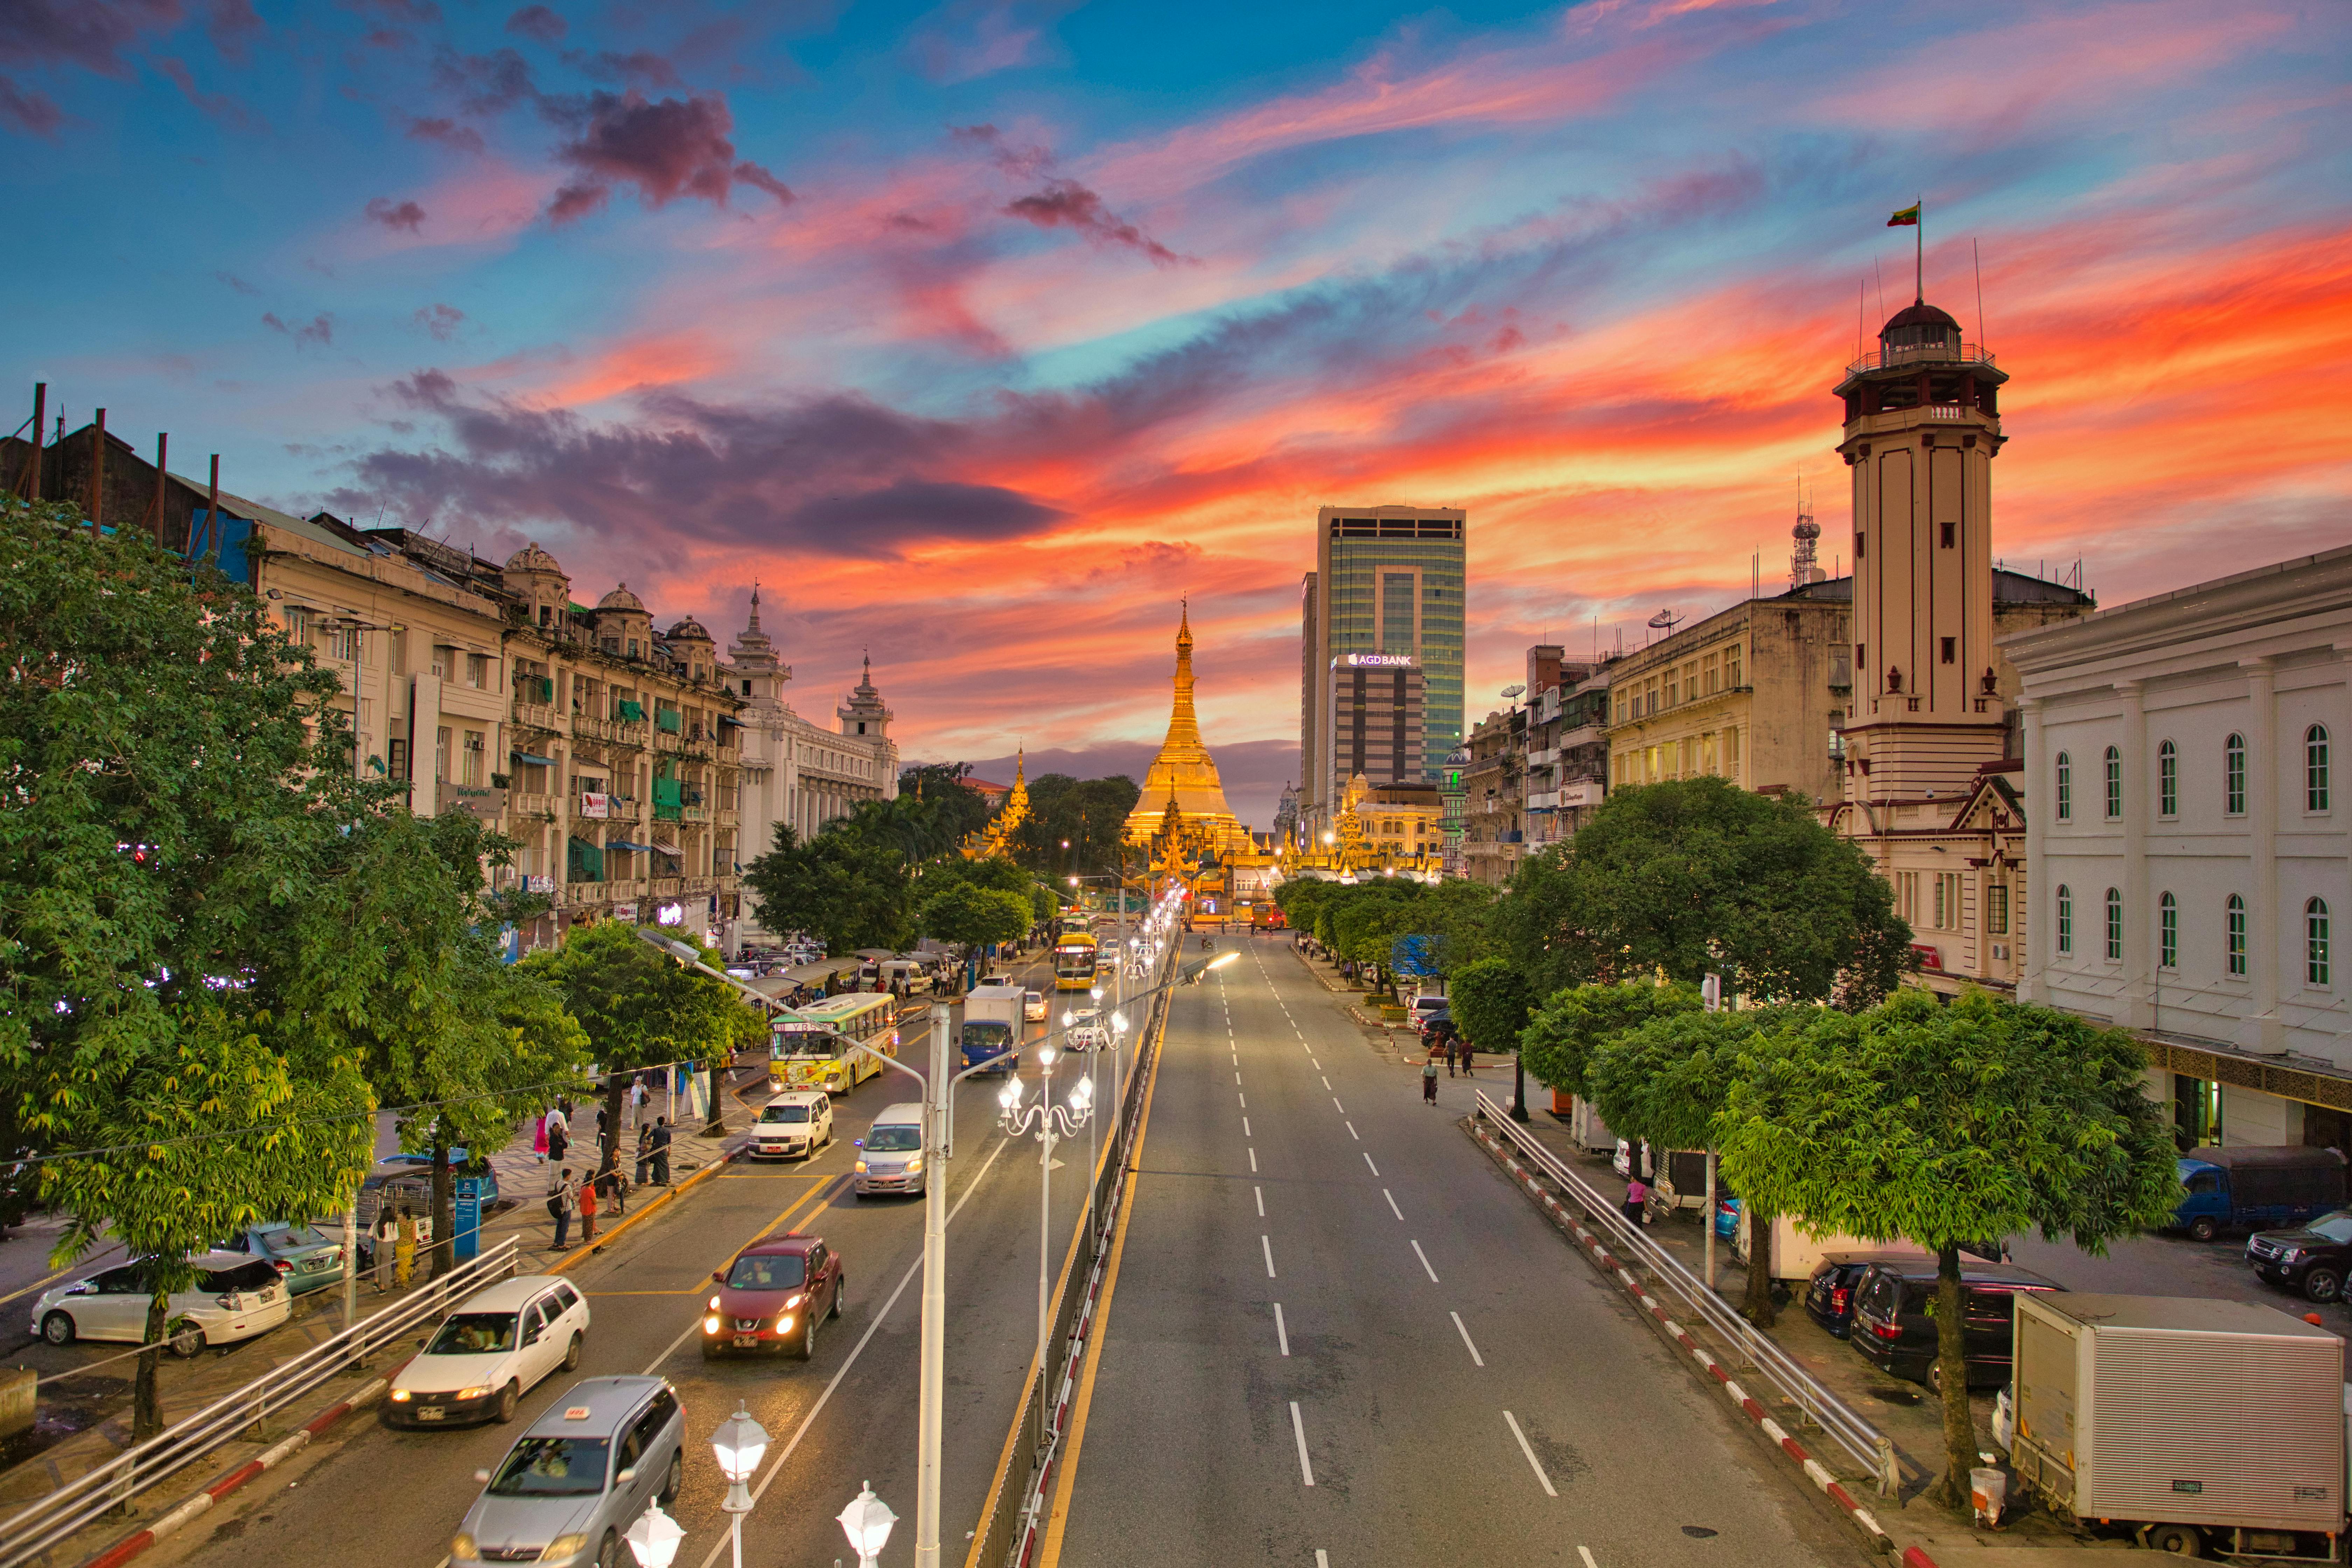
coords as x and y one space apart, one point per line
114 1484
1869 1447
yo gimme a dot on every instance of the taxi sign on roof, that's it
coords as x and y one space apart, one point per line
576 1412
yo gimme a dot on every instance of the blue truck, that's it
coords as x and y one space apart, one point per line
992 1026
2254 1188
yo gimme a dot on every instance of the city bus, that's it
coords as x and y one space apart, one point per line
1073 962
811 1051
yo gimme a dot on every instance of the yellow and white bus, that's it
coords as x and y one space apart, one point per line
812 1050
1073 962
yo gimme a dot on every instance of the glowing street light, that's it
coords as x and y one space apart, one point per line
867 1521
653 1538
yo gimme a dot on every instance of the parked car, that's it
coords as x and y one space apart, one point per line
234 1297
2312 1258
2256 1188
1033 1007
795 1123
997 977
573 1484
491 1351
1426 1005
890 1155
1830 1293
1895 1331
305 1259
772 1296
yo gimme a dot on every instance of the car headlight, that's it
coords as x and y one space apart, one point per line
792 1300
709 1325
784 1323
714 1303
481 1392
400 1397
914 1164
861 1167
564 1546
2289 1254
462 1545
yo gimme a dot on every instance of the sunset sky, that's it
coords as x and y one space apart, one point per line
979 333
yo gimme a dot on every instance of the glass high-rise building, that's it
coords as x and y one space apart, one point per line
1387 579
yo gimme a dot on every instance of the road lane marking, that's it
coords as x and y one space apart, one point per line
1298 1430
1237 1077
1281 1332
1246 1131
1392 1208
1353 1133
1376 1170
1252 1154
1341 1109
1267 1242
1326 1083
1322 1558
1417 1252
1524 1448
1465 1339
1260 1201
1240 1096
1586 1552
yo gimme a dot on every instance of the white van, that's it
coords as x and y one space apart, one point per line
890 1155
904 974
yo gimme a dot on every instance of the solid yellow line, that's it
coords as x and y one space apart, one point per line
1049 1555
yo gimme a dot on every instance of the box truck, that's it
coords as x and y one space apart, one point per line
992 1026
2197 1426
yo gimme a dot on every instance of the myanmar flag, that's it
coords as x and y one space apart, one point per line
1907 218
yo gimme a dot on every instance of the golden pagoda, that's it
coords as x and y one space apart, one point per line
1183 776
996 838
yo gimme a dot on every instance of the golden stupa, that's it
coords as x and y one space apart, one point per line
1183 776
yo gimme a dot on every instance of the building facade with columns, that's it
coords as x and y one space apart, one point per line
796 773
2189 852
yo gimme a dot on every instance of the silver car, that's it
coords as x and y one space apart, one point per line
569 1489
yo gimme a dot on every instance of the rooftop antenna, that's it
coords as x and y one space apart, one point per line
1665 620
1804 560
1978 258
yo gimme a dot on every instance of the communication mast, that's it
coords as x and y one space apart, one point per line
1804 564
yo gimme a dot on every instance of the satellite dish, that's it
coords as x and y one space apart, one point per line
1513 690
1665 620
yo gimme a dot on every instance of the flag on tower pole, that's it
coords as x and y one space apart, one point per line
1909 218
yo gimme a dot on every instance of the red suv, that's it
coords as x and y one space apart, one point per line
772 1296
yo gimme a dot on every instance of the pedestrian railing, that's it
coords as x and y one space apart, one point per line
112 1485
1869 1447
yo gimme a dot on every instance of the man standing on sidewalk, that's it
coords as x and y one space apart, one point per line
560 1205
661 1150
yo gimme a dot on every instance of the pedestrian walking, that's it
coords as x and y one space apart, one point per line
560 1205
539 1139
559 1135
1429 1080
1453 1054
661 1150
404 1255
603 1133
1637 1201
644 1153
387 1233
587 1212
1467 1051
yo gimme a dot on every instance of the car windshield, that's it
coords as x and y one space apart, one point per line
552 1466
474 1333
245 1277
2336 1226
786 1113
810 1044
897 1140
767 1271
280 1237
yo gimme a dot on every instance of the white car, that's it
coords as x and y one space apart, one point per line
797 1122
1033 1007
234 1297
489 1352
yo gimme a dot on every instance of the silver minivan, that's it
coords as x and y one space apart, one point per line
890 1155
569 1489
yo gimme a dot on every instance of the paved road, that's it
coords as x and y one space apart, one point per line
394 1498
1338 1339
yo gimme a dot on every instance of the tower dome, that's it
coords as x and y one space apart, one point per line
1920 325
621 598
531 558
687 630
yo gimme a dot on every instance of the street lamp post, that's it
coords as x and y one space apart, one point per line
867 1521
1052 1123
653 1539
739 1442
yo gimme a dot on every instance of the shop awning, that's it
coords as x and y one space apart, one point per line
534 761
665 848
624 844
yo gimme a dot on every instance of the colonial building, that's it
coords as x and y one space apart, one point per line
2188 846
1494 817
1568 745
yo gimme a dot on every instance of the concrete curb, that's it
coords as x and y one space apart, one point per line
1861 1517
131 1545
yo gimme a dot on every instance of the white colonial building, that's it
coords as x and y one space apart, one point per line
2187 848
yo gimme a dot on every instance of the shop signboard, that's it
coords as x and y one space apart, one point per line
596 805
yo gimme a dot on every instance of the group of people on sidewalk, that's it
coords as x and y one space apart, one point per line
607 1189
1458 1054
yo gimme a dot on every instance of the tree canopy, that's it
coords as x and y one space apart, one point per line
1946 1125
845 890
1699 873
1089 814
1560 1040
975 916
1490 1002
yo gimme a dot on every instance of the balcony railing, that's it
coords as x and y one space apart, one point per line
536 716
1920 353
694 814
527 804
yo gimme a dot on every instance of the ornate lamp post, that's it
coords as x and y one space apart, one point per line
739 1442
1049 1124
867 1521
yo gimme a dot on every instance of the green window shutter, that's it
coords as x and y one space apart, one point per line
633 712
667 792
586 861
667 719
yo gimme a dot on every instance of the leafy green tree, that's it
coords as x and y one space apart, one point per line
842 887
640 1008
176 778
1560 1040
974 915
1491 1002
1699 873
1946 1125
960 809
1090 814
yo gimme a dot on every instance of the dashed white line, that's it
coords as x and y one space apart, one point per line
1530 1453
1465 1339
1583 1551
1392 1208
1306 1471
1326 1083
1267 1242
1281 1331
1376 1170
1353 1133
1252 1153
1322 1558
1237 1077
1240 1096
1341 1109
1260 1201
1417 1252
1246 1131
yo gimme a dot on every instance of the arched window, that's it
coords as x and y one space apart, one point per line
2167 931
2315 964
2114 926
2065 918
2233 776
2065 787
2314 768
2115 784
2167 780
2237 913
